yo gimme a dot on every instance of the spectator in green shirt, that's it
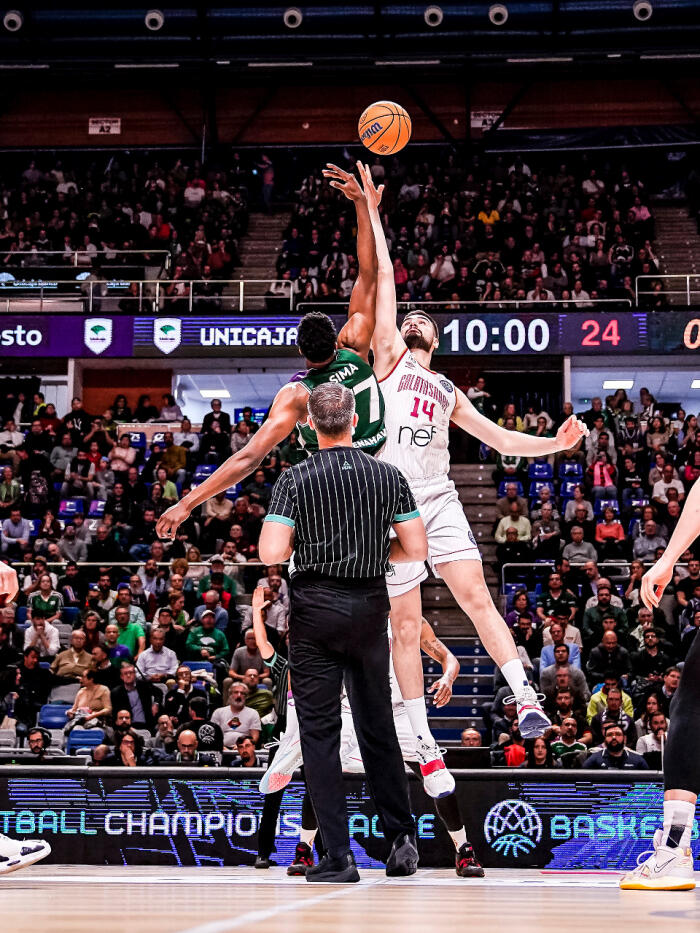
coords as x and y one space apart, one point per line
131 634
169 487
46 600
555 600
592 625
568 750
205 642
217 567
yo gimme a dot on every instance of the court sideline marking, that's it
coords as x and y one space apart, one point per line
257 916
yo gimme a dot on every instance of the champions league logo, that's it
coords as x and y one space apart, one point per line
513 828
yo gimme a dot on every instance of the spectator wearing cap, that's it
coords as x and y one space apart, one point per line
225 582
614 755
212 604
124 598
205 641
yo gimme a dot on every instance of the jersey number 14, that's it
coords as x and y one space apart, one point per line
428 408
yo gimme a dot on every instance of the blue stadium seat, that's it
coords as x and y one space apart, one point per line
538 484
506 482
36 526
639 502
570 469
510 589
567 488
604 504
21 615
204 470
158 438
83 738
53 715
199 665
632 528
233 492
138 439
70 507
540 471
97 508
71 614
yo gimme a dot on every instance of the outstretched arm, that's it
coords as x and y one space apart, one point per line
288 407
357 333
515 443
433 647
387 343
655 581
259 603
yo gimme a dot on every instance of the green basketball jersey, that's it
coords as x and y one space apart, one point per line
352 371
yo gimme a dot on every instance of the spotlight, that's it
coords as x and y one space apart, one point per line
432 16
13 21
154 20
293 17
642 10
498 14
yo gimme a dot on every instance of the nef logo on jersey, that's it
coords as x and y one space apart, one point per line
418 437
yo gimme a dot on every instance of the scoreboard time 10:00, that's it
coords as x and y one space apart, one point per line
584 332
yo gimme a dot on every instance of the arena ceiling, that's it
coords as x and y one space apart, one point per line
605 34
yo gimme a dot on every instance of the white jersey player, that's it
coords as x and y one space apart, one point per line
419 405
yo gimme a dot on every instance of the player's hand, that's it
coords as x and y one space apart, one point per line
373 194
259 601
171 519
443 691
343 181
9 584
654 582
570 433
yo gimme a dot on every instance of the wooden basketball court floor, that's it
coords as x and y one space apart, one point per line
90 899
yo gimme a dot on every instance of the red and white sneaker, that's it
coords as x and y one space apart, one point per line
532 719
467 864
437 780
303 860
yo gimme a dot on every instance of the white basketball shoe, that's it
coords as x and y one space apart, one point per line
437 780
664 870
532 719
288 758
15 855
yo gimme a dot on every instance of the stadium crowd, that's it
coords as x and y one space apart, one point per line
145 650
89 214
574 535
137 638
477 230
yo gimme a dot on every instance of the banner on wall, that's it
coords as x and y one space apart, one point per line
224 336
205 816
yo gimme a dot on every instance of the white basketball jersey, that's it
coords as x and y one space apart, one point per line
418 407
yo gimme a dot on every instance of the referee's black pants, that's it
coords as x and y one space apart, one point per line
338 631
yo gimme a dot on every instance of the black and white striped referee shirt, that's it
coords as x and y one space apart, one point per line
341 503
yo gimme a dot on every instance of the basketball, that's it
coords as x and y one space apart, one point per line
384 127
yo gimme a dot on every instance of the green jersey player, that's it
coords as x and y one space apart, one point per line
329 357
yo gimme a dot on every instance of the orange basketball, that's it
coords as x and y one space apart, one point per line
384 127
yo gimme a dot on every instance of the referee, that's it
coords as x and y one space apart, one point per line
335 511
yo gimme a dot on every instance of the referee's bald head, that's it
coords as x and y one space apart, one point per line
331 410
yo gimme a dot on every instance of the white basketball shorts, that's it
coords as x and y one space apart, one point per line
449 536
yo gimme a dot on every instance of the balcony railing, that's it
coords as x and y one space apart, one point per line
677 288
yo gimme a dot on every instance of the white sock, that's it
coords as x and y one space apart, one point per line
677 813
459 837
307 836
514 673
418 717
